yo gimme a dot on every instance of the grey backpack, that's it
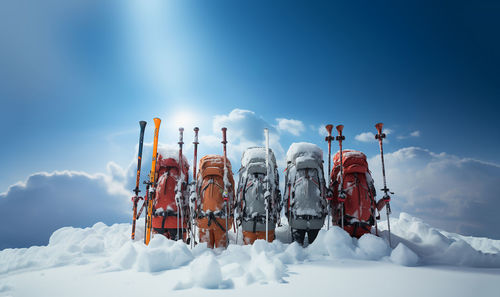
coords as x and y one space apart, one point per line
305 186
253 188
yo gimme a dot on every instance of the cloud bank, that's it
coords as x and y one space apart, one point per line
32 210
456 194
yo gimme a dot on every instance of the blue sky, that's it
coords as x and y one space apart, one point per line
77 77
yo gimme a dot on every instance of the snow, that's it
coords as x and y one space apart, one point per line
257 153
349 153
167 152
436 247
102 260
402 255
298 149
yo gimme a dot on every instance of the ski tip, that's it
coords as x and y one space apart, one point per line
157 121
196 129
181 129
224 129
379 127
340 128
142 123
329 128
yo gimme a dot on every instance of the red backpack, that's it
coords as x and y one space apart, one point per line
167 213
359 205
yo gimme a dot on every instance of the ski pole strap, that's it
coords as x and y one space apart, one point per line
165 213
308 217
219 214
212 218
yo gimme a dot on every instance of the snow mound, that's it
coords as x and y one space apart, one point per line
299 149
434 246
257 154
404 256
109 248
168 152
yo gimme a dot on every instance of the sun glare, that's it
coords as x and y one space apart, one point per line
184 119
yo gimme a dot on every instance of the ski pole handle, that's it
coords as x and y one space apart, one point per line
339 129
379 127
181 135
329 130
224 140
196 129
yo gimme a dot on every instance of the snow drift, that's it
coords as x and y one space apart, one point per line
109 248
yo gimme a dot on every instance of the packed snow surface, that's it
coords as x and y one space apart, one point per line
106 252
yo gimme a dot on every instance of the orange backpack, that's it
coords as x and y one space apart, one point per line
359 205
166 208
211 186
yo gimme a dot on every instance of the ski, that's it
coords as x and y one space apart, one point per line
152 184
267 194
329 198
178 190
226 193
342 197
380 136
136 198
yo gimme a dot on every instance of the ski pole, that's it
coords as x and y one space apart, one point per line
340 138
380 136
142 124
225 194
329 139
193 203
266 199
178 195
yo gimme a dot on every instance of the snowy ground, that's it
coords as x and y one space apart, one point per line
103 261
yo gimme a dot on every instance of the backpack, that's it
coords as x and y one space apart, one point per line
210 187
305 186
359 205
252 190
172 184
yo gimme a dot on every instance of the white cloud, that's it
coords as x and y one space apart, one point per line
365 137
370 136
452 193
322 130
415 133
294 127
246 129
241 124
